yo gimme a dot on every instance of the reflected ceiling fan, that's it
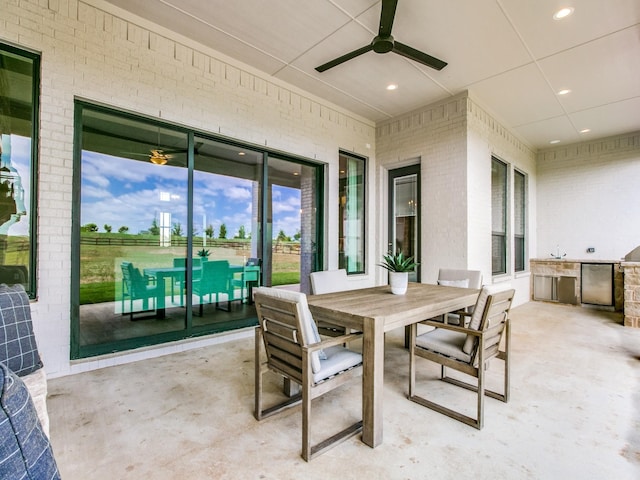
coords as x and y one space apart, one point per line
159 156
384 43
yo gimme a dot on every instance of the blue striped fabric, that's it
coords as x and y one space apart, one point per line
25 451
18 349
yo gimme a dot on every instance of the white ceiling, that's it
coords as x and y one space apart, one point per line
510 54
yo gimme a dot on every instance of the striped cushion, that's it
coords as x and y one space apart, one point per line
18 349
25 451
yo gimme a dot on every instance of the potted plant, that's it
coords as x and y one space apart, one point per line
399 267
203 254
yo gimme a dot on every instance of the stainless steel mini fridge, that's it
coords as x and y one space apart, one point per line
597 283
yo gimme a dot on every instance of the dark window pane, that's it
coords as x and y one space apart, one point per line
499 215
19 78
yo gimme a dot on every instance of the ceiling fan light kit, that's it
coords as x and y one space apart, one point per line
385 43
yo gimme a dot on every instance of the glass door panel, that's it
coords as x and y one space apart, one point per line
133 212
226 233
292 223
404 218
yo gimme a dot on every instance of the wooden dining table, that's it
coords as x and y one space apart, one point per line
375 311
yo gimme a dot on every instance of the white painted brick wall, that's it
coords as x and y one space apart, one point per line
589 196
89 52
454 140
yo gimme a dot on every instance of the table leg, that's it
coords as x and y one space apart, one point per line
160 301
373 382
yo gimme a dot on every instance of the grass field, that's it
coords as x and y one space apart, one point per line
101 277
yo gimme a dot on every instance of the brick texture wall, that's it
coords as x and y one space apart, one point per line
89 51
589 195
453 141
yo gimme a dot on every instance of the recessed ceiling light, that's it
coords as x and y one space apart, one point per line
554 141
392 86
585 130
563 13
564 91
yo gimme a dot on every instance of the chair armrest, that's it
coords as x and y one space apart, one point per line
333 341
453 328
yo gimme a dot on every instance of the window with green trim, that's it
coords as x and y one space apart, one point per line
498 216
19 87
351 213
519 200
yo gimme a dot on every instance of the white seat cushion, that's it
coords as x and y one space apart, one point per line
464 283
446 342
338 359
328 281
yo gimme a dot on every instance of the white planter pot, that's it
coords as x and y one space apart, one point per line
398 282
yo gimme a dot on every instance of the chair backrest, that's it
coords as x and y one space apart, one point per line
253 262
215 276
460 278
133 279
182 262
287 326
328 281
490 313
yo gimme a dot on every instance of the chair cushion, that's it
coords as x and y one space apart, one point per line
328 281
18 348
308 325
464 283
478 311
338 359
446 342
25 451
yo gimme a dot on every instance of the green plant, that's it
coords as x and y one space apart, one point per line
398 263
203 253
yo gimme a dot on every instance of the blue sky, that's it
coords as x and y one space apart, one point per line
119 192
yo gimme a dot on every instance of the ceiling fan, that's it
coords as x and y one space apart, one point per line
384 43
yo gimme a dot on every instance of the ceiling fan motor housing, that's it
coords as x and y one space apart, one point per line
382 44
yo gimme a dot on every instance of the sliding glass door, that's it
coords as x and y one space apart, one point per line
173 229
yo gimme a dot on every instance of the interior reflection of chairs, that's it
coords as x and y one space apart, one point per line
286 333
450 277
329 281
136 286
249 278
178 278
215 278
467 350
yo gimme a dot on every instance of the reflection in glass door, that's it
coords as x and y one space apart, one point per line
133 212
292 224
173 229
404 223
227 257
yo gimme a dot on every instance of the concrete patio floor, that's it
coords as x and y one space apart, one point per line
574 413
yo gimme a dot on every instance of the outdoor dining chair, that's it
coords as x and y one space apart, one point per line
215 279
136 286
450 277
467 350
287 343
329 281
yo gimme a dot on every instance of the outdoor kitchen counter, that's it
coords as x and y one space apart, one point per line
570 267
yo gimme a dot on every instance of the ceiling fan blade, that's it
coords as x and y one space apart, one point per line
344 58
386 17
418 56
